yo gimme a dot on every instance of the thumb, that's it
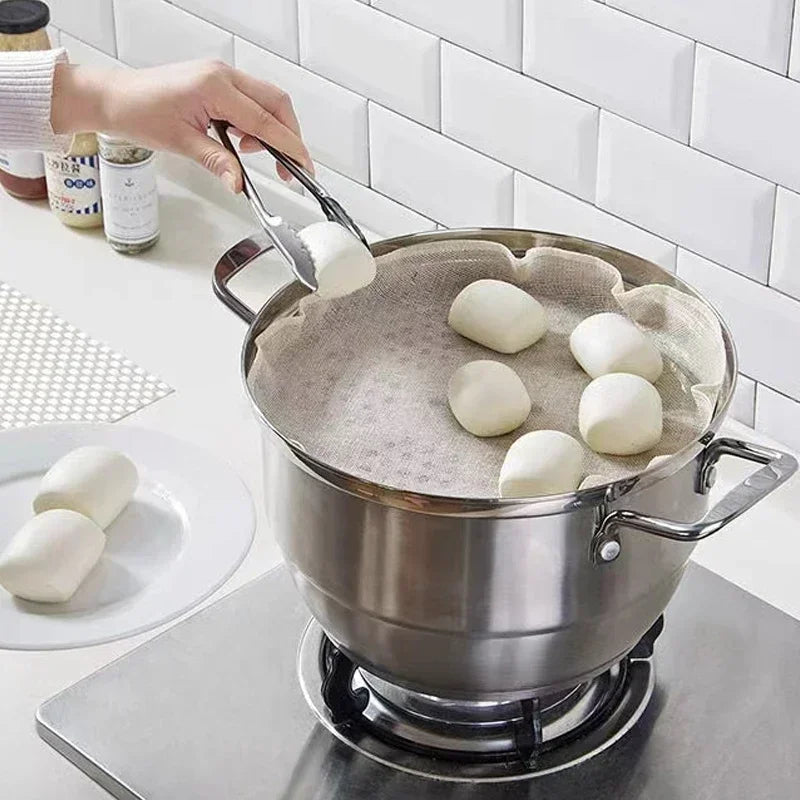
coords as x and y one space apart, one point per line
217 159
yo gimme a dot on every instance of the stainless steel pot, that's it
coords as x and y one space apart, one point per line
492 598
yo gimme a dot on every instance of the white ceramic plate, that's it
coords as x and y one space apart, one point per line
187 529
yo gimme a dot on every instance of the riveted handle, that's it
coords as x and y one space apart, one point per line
233 262
778 468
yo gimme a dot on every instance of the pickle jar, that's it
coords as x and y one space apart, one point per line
23 27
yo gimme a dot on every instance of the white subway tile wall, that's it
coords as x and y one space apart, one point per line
373 210
92 21
690 198
82 53
439 177
755 30
778 416
151 32
747 116
547 133
665 128
743 407
765 324
541 207
334 120
794 60
372 53
490 28
612 59
275 30
785 269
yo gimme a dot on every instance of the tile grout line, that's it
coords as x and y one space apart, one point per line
369 152
773 224
596 164
440 76
779 392
756 404
791 41
693 98
114 29
297 30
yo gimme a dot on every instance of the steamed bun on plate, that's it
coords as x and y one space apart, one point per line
50 555
95 481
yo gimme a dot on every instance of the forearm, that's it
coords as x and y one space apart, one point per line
80 98
26 86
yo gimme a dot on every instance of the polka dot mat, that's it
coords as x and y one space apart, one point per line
52 372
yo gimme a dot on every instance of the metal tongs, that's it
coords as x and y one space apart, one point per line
285 238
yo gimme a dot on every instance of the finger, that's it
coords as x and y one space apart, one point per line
249 116
247 144
250 145
270 97
217 159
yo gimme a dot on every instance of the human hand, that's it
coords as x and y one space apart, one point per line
169 108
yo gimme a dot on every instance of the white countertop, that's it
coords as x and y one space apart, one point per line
158 309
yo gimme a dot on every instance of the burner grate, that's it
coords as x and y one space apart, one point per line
473 740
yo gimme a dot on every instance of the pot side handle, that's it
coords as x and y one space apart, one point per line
778 468
233 262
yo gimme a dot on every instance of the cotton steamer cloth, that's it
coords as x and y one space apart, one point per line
360 383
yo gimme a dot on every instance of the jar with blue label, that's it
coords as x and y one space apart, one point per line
73 183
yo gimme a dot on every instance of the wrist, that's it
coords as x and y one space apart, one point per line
79 101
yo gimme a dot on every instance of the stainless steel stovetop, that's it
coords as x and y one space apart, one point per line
213 709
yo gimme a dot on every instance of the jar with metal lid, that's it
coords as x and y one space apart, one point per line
22 27
73 183
129 193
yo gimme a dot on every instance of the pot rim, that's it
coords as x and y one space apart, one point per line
545 505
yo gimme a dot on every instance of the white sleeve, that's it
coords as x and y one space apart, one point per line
26 92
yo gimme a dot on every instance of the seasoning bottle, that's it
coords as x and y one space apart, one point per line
73 183
130 196
22 27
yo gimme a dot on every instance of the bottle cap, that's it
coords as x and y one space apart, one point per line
23 16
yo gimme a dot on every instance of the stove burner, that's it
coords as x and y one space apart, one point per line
473 740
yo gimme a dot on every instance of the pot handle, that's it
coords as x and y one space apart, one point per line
778 468
233 262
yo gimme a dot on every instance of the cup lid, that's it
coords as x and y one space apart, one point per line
23 16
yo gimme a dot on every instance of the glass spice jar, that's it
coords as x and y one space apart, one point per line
22 27
129 193
73 183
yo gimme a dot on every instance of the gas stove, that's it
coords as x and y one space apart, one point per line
473 740
248 699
